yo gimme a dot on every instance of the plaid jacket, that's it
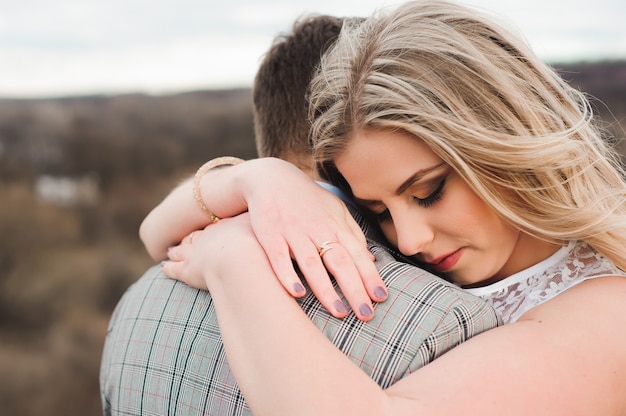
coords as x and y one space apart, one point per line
163 353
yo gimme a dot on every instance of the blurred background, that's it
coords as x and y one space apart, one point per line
106 105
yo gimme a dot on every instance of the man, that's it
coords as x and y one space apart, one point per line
163 353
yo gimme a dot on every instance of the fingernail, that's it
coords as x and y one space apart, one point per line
162 263
298 288
366 310
340 307
380 292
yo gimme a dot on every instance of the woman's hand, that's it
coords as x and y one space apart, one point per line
228 249
294 217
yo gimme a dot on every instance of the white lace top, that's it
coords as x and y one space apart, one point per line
570 265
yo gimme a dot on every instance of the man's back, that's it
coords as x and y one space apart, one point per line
164 354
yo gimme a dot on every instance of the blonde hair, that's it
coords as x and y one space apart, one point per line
486 105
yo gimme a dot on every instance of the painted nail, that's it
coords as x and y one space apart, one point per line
340 307
380 292
366 310
298 288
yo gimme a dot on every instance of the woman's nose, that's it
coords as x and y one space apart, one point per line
413 233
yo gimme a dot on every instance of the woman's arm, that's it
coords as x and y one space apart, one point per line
174 218
565 357
291 217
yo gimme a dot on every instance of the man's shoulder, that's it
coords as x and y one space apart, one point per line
164 336
155 294
406 280
423 317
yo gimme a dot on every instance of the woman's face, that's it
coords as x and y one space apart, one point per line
430 213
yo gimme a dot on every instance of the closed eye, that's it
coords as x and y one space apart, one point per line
433 197
383 216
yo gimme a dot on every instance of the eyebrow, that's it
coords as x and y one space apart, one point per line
404 186
416 177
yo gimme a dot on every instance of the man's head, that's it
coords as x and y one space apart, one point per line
281 85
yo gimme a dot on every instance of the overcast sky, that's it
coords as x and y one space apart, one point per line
69 47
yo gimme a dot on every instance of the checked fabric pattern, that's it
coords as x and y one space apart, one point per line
163 353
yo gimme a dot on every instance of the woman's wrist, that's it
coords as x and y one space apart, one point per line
261 176
201 173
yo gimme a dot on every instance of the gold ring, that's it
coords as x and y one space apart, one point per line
324 247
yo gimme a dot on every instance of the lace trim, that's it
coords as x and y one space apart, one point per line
569 266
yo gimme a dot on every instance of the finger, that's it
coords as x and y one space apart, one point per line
356 244
179 270
188 239
174 253
355 228
362 259
341 265
319 281
278 254
172 269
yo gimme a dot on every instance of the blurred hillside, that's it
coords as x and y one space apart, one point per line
77 176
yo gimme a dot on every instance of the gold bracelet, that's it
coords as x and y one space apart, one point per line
211 164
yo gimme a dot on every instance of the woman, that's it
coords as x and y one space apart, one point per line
488 168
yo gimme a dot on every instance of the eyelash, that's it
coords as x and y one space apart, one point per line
427 202
434 196
382 216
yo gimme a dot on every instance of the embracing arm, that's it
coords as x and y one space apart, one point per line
179 213
175 217
291 216
563 358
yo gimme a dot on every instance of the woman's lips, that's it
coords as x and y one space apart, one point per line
445 263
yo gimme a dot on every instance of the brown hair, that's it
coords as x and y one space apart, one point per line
281 85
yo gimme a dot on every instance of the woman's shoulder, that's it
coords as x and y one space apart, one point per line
588 317
568 267
602 297
574 340
581 329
